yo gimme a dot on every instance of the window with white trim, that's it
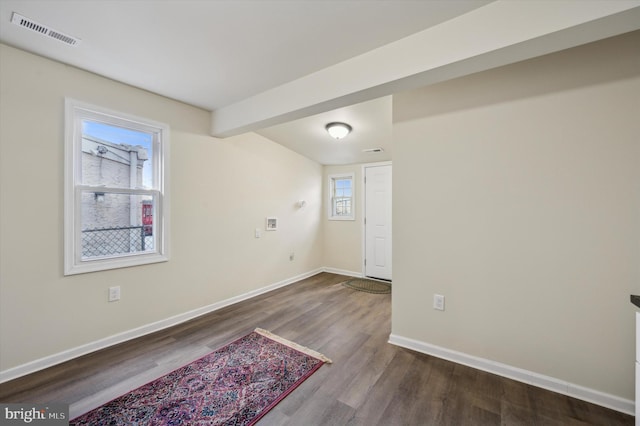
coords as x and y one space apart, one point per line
116 198
341 197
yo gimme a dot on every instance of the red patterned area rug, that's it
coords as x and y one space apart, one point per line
235 385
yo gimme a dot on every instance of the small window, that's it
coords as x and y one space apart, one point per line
116 209
341 198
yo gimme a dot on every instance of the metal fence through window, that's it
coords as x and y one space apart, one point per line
113 241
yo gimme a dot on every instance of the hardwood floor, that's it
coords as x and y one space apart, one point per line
370 381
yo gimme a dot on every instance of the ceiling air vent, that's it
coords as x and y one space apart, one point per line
32 25
376 150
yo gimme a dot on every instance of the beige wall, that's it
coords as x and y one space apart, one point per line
517 196
221 190
343 238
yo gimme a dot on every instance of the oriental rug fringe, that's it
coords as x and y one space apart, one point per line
234 385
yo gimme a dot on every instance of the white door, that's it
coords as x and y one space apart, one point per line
378 222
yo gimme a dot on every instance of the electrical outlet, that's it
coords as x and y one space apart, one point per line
438 302
114 294
257 233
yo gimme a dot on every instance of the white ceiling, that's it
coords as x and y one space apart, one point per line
371 122
215 54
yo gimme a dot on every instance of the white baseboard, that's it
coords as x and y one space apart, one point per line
50 361
546 382
342 272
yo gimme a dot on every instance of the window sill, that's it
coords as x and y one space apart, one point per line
114 263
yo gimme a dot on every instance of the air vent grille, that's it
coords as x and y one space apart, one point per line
32 25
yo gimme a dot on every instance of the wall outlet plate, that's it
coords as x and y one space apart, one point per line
114 294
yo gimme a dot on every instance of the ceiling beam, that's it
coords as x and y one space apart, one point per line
497 34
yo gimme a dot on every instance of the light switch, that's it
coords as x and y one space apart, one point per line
438 302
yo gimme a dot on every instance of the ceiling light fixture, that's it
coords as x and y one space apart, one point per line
338 130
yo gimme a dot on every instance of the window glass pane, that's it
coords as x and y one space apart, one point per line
343 207
343 183
342 187
116 224
110 152
342 196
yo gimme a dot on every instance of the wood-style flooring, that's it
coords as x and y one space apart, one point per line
370 382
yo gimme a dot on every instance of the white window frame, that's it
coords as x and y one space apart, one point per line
75 113
332 209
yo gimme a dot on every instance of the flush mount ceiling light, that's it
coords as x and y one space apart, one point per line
338 130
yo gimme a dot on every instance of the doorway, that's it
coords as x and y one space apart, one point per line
377 221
